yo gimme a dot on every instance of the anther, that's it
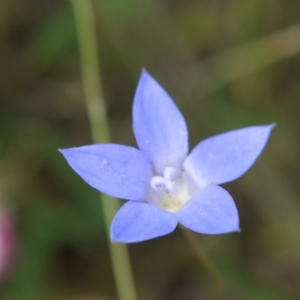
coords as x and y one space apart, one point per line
157 183
165 182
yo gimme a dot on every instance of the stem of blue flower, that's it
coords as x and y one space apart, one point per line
216 288
86 32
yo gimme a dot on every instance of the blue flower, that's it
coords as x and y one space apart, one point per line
165 185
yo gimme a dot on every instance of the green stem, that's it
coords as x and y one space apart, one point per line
216 288
86 32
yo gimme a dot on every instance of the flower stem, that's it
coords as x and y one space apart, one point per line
86 32
216 288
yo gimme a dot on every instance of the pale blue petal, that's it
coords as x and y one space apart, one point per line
226 156
119 171
140 221
211 211
158 125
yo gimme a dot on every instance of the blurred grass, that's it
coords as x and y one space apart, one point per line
52 39
227 64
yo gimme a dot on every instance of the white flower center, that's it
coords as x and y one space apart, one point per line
165 182
170 191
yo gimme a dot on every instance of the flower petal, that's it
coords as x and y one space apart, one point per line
158 125
211 211
140 221
227 156
117 170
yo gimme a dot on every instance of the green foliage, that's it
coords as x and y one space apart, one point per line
228 64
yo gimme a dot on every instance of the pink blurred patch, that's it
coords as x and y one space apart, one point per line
8 242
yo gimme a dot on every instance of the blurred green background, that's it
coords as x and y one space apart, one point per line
226 63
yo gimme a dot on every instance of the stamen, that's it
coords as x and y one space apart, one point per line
157 183
165 182
170 187
169 173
